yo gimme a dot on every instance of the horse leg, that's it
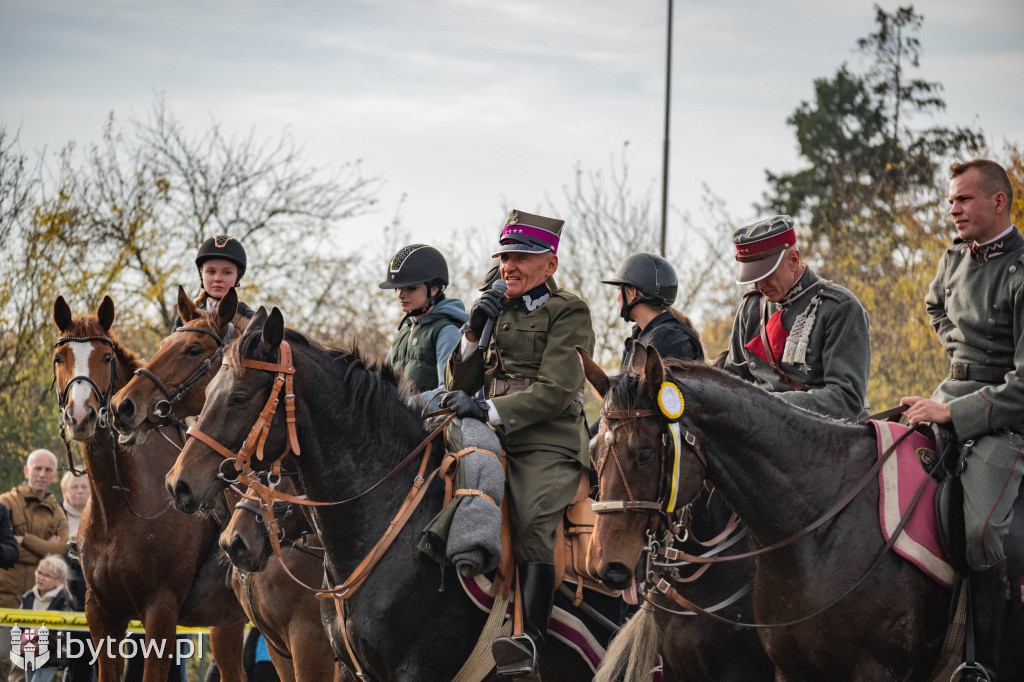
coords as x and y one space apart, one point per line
158 647
313 656
287 668
226 642
106 632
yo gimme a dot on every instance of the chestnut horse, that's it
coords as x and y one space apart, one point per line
408 620
285 611
831 604
286 614
138 562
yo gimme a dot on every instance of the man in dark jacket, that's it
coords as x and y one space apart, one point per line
8 544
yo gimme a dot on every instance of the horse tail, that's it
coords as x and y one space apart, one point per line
631 653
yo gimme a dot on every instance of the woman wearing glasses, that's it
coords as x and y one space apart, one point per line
50 593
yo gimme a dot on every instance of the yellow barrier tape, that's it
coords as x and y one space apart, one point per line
68 620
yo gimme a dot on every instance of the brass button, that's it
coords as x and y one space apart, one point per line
504 327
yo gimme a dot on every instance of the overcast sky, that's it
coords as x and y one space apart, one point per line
468 106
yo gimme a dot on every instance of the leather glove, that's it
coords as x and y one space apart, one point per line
487 307
465 406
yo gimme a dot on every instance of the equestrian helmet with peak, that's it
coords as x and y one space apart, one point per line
651 275
223 247
416 264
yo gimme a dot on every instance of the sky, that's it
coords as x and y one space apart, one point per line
467 108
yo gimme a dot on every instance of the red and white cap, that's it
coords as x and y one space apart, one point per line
761 247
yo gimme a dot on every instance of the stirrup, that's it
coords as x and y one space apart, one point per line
515 656
976 671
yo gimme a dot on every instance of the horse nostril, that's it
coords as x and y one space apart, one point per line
184 500
617 575
90 416
125 411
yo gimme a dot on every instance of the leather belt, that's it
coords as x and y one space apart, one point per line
499 387
965 372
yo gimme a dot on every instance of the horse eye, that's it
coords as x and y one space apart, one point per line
193 350
109 357
238 399
57 360
645 455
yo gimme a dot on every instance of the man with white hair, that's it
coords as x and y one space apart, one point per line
40 528
797 335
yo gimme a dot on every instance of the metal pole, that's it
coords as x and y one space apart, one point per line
664 160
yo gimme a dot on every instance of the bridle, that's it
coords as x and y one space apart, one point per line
164 409
102 396
102 420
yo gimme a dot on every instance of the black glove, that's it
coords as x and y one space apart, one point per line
465 406
487 307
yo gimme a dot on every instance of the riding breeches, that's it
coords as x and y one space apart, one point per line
991 481
541 485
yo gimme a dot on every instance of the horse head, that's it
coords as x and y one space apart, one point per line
172 385
87 364
245 539
645 468
225 437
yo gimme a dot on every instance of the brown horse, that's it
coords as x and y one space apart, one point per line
831 604
139 562
173 385
408 620
285 612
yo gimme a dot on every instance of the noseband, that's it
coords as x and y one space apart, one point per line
164 408
660 504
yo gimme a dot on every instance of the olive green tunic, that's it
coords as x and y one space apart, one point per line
838 358
542 427
976 305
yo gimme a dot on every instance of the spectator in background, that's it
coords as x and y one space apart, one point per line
76 495
49 593
40 528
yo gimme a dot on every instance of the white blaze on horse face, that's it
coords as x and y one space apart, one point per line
78 396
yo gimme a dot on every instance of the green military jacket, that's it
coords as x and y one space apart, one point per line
837 361
976 305
538 345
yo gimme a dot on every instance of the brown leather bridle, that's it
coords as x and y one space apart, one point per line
257 438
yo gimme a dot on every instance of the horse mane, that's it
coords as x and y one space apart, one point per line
377 384
87 325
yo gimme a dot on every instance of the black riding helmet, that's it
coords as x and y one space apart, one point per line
416 264
653 276
224 247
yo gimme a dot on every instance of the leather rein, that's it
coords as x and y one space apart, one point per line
652 507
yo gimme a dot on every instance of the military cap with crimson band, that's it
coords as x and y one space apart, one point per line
528 233
761 247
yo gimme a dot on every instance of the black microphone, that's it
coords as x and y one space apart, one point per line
485 335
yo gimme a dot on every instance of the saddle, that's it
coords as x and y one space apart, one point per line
573 543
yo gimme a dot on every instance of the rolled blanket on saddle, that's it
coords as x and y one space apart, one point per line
467 533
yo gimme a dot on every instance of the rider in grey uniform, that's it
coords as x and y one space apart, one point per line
797 335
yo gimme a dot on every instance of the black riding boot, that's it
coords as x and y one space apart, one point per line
520 656
987 592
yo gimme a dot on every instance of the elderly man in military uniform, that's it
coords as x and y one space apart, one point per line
797 335
976 304
533 387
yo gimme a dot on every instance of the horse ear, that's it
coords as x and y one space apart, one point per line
595 375
105 313
273 330
186 308
638 358
654 372
259 319
720 360
61 314
227 308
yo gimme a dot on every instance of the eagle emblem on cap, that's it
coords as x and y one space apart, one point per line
513 218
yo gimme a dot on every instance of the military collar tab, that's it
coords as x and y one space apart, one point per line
536 297
803 285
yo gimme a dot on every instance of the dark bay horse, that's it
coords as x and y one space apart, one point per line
161 570
692 647
409 620
174 383
780 468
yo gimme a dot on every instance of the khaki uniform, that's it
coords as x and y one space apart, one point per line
976 304
837 361
542 424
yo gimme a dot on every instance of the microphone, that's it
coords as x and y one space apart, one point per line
485 336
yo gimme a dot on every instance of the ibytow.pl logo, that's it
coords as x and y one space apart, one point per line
31 649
